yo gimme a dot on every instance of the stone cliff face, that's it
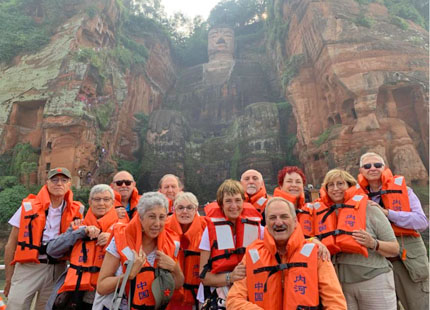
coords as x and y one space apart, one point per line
78 114
358 88
352 89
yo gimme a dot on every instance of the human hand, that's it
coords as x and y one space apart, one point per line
165 261
92 231
239 272
364 238
120 212
6 288
323 252
103 238
139 261
76 223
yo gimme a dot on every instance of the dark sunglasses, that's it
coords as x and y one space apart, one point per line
121 182
376 165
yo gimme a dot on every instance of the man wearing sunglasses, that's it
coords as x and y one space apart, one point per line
403 208
123 183
40 219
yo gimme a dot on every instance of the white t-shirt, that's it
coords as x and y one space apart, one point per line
111 248
52 224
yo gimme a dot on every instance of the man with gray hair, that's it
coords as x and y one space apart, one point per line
87 243
255 191
170 185
40 219
403 209
284 271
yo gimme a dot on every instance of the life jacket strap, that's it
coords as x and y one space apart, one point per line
333 208
300 211
274 269
334 233
226 255
384 192
81 269
191 253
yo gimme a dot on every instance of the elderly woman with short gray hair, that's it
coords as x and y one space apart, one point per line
76 286
145 242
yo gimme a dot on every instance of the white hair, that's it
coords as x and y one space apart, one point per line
371 154
280 199
101 188
150 200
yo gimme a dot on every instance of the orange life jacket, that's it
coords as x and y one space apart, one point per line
131 236
394 196
335 231
34 211
87 257
213 210
134 199
259 199
189 259
291 285
224 257
304 211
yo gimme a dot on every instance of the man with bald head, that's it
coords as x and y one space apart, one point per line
123 184
255 191
170 185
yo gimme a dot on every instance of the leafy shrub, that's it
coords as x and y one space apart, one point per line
363 20
400 22
10 201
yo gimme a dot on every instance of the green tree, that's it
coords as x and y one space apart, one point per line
236 13
10 201
27 168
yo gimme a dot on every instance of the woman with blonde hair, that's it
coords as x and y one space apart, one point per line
356 229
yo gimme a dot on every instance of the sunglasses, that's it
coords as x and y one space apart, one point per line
376 165
121 182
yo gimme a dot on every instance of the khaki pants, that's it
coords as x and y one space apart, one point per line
412 295
374 294
30 278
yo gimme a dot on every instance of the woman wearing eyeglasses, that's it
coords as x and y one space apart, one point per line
77 285
188 224
152 247
358 231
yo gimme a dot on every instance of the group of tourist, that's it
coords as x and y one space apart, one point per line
355 247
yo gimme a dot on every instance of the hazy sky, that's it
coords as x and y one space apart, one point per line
190 8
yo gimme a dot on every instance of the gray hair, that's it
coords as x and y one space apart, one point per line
100 188
280 199
368 154
150 200
186 196
180 184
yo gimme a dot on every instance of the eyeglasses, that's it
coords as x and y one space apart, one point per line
376 165
121 182
339 185
58 180
105 199
182 208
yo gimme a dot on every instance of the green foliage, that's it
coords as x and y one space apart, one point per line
22 156
400 22
291 69
91 11
21 28
131 166
104 113
363 20
408 10
10 201
287 140
325 135
82 194
236 13
235 163
8 181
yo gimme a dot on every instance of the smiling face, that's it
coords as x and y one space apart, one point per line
58 185
170 187
251 181
124 184
280 223
153 221
232 206
101 203
293 184
185 211
336 189
373 173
